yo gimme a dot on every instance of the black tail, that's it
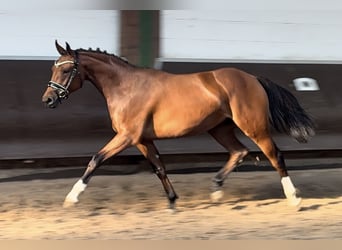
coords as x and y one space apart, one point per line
287 115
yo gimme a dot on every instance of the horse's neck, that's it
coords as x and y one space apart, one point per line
107 77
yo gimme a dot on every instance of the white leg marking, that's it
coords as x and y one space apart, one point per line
216 196
72 196
290 191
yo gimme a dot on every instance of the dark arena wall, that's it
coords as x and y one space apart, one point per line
27 123
82 120
24 115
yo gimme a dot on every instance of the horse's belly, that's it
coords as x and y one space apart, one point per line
178 125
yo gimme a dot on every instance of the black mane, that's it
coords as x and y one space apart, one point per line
104 52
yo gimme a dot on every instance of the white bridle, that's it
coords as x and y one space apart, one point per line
62 91
57 64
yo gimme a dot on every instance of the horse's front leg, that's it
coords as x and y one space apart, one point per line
115 146
149 150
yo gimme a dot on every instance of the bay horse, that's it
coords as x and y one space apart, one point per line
146 104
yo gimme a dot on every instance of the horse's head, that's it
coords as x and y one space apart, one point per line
65 77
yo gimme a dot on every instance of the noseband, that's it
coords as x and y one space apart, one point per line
61 90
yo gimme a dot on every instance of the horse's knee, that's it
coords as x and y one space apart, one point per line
235 158
160 172
241 154
96 160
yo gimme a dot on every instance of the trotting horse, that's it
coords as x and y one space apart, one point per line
147 104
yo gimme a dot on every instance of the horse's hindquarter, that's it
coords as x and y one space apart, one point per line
188 104
247 99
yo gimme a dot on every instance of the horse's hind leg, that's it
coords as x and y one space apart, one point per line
224 134
148 149
271 151
259 132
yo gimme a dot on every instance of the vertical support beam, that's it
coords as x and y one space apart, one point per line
140 36
129 35
149 31
155 35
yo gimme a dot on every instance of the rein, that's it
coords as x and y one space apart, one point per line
62 91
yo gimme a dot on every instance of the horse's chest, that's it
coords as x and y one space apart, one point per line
127 117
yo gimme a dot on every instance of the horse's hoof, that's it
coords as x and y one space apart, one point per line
172 210
69 203
216 196
295 202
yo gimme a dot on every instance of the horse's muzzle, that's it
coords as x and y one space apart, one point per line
50 101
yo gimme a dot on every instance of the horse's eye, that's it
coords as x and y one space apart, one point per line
66 71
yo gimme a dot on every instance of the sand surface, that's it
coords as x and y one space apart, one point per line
135 207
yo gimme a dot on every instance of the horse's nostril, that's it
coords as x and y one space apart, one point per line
49 100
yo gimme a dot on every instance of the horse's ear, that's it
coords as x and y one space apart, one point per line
60 49
68 49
